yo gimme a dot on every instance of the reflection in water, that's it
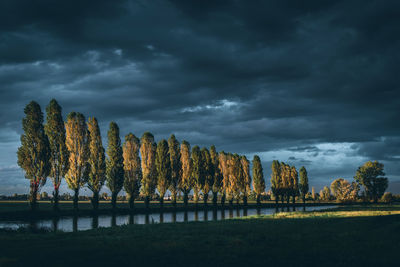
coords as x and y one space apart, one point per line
113 220
215 215
294 208
55 223
304 208
75 223
95 221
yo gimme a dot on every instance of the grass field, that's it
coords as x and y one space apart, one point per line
347 236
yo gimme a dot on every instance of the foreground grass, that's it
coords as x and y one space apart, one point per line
369 237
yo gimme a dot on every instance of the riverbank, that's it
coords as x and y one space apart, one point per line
347 236
19 210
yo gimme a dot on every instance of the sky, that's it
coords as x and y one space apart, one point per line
310 83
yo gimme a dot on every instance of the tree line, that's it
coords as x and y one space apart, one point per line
73 150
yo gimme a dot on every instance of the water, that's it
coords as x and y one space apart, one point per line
81 223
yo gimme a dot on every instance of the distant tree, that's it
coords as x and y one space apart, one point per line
77 145
97 161
370 176
114 163
245 183
207 173
344 191
132 167
197 173
186 183
325 193
313 194
55 131
176 169
163 167
148 152
258 178
276 180
303 184
216 175
387 197
294 184
34 153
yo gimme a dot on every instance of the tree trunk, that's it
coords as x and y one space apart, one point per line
287 199
282 199
95 200
205 199
147 202
223 197
294 199
33 196
56 198
276 200
245 200
215 198
76 199
114 200
304 199
185 199
237 201
131 202
258 200
174 199
231 202
161 202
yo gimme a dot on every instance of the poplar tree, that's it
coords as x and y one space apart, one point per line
77 145
294 182
258 178
34 154
196 173
96 160
223 166
246 179
132 167
216 175
55 131
286 182
207 173
163 167
236 178
148 152
115 163
303 184
276 181
313 195
186 183
176 170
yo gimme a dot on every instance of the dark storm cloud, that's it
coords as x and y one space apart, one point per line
274 77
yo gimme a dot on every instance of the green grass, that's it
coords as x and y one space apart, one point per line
350 236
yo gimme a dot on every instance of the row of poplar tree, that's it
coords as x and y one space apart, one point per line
74 151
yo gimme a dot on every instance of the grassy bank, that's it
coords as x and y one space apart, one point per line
350 236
